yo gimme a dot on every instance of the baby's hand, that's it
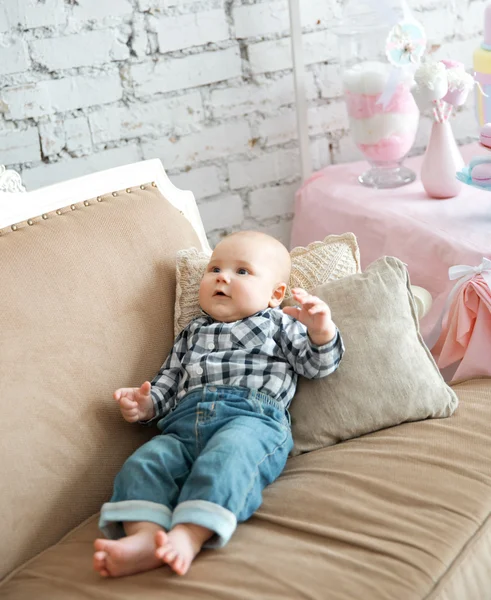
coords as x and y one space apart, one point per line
314 314
135 403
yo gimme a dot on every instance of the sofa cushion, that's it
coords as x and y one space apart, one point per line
87 306
399 514
335 257
387 374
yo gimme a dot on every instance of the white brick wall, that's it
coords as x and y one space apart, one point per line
193 29
204 85
79 50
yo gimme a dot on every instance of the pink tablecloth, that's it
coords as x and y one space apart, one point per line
429 235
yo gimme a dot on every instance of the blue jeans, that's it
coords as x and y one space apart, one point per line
218 450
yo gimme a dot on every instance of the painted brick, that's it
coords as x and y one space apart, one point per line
464 123
222 213
76 167
162 5
183 73
53 137
321 119
159 5
32 13
275 55
330 81
194 29
281 231
279 129
202 182
474 18
94 10
77 134
269 168
209 144
344 150
266 95
438 24
4 19
178 115
272 201
19 146
79 50
330 117
14 58
139 37
271 17
463 49
59 95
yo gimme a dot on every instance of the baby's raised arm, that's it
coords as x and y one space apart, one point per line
135 403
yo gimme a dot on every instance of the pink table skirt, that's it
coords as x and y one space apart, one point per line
428 235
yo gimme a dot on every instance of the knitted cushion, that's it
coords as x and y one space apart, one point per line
335 257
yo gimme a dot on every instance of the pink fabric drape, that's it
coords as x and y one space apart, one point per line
466 332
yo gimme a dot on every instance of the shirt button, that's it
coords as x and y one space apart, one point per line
211 345
199 370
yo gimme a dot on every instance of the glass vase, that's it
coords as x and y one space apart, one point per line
383 126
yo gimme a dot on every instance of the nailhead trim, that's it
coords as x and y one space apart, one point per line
86 203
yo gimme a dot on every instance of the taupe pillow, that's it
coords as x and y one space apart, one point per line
387 375
335 257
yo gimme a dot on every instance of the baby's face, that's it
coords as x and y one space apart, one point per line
240 280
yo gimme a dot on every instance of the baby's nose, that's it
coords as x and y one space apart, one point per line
223 276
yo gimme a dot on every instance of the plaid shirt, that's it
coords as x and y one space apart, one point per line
266 351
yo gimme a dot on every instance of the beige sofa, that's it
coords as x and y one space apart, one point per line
88 289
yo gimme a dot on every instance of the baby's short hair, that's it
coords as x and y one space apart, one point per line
283 264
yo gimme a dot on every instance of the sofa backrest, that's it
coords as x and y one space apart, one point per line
87 306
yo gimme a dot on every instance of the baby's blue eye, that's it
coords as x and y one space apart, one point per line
242 272
215 269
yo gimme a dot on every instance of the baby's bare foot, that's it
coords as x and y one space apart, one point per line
179 547
128 555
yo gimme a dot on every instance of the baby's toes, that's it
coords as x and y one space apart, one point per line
180 565
164 552
100 563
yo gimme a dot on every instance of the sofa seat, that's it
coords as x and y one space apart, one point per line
399 514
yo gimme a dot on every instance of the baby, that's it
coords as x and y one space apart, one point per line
220 401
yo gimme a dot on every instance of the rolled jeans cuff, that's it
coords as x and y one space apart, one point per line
114 514
209 515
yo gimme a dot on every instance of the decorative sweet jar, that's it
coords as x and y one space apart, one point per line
380 45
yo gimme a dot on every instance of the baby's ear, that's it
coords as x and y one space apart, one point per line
278 295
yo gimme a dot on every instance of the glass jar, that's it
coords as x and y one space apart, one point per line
382 113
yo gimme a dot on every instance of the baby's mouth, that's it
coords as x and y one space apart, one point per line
221 294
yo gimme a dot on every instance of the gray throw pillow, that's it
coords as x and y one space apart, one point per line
387 375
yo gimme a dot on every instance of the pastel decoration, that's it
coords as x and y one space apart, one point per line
452 64
477 173
485 135
384 133
441 162
405 43
463 344
482 72
431 81
481 174
460 84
